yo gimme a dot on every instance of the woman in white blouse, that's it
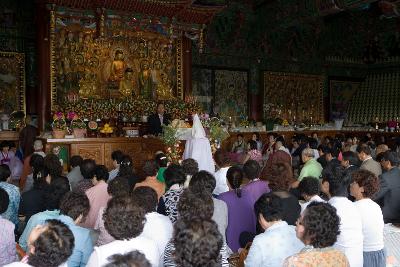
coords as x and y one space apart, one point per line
364 185
124 220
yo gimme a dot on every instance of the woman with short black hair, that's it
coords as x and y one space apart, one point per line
318 229
127 170
131 259
118 187
36 162
198 243
124 220
193 207
58 187
174 180
49 245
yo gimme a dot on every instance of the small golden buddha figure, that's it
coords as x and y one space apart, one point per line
164 88
118 66
157 71
126 85
145 81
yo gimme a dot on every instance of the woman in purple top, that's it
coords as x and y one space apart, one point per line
241 216
256 187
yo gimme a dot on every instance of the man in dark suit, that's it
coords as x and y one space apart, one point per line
158 119
389 193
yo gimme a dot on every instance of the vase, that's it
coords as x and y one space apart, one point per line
79 133
338 124
58 134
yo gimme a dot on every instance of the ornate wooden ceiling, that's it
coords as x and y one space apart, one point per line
188 11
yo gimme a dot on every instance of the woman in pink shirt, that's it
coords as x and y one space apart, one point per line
98 195
118 187
253 153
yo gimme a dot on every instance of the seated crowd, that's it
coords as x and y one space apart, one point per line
325 203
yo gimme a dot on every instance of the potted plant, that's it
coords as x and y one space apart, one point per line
78 127
59 125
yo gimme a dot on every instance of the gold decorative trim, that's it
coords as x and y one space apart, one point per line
20 58
179 68
53 85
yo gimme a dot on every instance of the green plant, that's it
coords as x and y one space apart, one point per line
78 124
59 124
172 142
217 132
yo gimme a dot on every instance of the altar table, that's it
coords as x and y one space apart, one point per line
139 148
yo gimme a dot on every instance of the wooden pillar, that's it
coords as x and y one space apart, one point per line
43 48
256 112
187 66
255 94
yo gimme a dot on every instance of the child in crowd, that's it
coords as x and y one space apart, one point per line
6 155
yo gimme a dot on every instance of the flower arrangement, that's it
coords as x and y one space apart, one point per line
216 132
78 124
244 123
59 122
272 115
71 116
75 121
169 137
205 120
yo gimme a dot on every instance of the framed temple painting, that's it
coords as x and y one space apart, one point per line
341 92
231 89
12 82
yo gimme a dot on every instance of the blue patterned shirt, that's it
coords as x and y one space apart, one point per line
38 218
11 213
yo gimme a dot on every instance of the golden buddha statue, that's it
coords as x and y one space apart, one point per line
164 88
127 85
118 67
